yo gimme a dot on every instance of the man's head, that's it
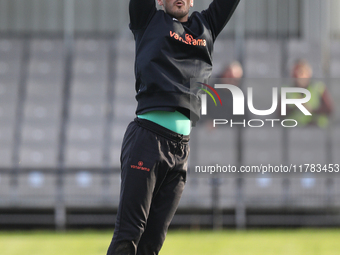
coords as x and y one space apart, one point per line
233 73
233 70
178 9
302 73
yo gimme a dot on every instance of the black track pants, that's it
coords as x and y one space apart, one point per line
154 166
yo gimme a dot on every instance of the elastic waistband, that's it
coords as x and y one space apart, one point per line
162 131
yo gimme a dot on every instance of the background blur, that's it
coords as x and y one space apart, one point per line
67 95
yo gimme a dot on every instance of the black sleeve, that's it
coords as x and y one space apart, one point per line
141 12
219 13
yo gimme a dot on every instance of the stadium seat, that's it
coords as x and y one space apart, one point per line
335 68
307 145
90 70
124 104
6 145
39 155
8 91
125 78
48 81
115 154
40 93
37 188
258 47
311 51
213 147
307 136
336 144
93 88
90 133
91 49
90 67
257 155
334 89
308 191
83 188
263 59
6 134
87 111
114 189
90 62
33 133
197 194
124 109
336 196
117 133
11 49
10 70
264 191
43 105
303 155
90 155
7 112
335 59
46 67
47 49
223 55
9 67
125 86
43 112
265 136
262 146
88 104
6 153
5 187
227 192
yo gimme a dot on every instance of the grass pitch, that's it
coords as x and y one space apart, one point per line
253 242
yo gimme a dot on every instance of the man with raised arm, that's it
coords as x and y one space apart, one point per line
171 48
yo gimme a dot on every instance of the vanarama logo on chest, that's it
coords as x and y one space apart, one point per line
188 39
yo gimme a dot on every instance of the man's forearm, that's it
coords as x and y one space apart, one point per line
140 12
219 13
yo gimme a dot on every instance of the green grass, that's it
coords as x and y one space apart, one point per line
262 242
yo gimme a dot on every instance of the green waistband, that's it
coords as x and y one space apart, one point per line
175 121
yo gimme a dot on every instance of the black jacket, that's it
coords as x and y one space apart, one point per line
169 53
